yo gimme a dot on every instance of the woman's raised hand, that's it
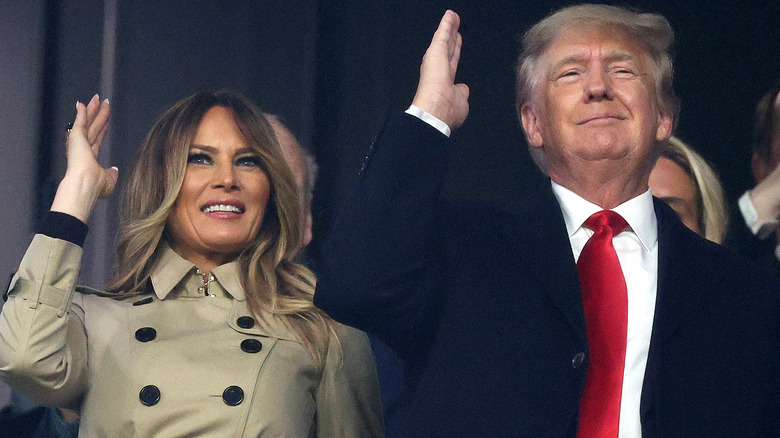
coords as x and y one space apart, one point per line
85 179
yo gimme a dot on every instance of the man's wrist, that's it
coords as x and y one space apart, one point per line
761 228
429 119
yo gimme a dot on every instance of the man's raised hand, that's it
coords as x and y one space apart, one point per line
437 92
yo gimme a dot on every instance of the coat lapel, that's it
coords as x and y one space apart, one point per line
677 289
539 231
677 294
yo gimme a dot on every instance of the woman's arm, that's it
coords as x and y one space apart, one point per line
43 345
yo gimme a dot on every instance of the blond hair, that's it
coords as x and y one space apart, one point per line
273 282
711 208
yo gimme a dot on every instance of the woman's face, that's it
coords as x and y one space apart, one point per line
223 198
670 182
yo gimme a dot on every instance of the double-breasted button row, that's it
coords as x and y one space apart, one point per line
232 395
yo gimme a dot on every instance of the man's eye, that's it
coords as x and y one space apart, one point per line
198 158
569 76
250 161
623 72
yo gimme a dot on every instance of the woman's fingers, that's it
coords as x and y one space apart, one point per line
92 108
112 176
99 140
99 126
81 115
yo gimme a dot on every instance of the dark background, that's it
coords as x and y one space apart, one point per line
331 70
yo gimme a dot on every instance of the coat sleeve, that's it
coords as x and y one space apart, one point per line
348 401
43 346
380 269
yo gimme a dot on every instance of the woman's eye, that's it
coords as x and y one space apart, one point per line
250 161
198 158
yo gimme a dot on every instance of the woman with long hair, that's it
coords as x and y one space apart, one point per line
208 328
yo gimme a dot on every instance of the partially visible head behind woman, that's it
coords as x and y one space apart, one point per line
766 134
685 180
272 281
652 32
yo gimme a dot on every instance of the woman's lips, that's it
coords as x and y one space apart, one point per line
234 207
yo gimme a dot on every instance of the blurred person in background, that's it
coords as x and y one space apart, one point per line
757 235
684 180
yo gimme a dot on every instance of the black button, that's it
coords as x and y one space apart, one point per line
251 346
233 395
246 322
145 334
149 395
146 300
577 360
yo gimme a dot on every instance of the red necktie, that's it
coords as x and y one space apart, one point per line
605 300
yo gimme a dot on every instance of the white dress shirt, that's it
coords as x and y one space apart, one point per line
762 229
637 251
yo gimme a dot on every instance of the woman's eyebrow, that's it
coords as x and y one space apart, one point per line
213 150
210 149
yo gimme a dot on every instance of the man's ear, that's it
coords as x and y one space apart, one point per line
664 130
760 168
530 120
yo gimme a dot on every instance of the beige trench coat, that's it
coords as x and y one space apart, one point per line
176 363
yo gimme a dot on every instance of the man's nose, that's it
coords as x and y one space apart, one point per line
597 86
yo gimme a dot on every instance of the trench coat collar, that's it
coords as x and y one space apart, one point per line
171 268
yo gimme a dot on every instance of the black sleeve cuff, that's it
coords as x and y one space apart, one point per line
63 226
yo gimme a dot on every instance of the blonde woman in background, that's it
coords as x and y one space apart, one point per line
685 180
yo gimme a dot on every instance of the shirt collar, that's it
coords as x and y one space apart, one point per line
171 268
638 212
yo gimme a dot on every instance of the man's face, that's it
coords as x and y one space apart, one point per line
595 101
761 167
294 157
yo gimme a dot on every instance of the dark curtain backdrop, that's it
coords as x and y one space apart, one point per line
727 56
